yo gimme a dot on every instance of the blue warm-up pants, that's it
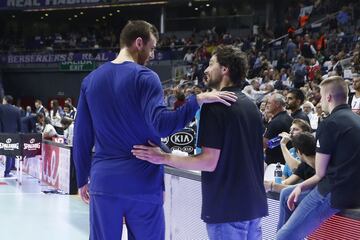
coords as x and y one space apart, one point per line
144 221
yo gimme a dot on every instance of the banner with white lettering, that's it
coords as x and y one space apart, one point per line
26 4
72 59
10 145
76 61
56 57
31 144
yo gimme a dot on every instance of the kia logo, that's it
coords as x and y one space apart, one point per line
188 149
8 140
32 140
182 138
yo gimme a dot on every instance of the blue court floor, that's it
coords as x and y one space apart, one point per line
26 213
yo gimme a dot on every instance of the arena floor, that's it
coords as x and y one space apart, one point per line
29 213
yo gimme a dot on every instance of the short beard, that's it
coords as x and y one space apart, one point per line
213 84
291 108
141 58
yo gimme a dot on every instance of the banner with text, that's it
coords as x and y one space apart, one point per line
28 4
70 58
51 4
56 57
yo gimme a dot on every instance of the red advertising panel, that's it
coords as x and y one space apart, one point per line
56 167
50 168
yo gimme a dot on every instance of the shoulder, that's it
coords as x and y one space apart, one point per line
281 122
282 117
145 73
98 73
11 108
147 79
49 127
286 117
213 111
211 107
329 125
302 115
242 107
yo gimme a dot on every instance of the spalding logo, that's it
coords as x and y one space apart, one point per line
182 138
32 140
8 140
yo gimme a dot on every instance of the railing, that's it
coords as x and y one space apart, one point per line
183 209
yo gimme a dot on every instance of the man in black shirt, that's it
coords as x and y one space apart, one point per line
280 122
336 184
294 99
232 164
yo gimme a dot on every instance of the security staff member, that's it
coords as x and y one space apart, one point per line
336 184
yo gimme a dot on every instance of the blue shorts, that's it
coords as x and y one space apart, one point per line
143 220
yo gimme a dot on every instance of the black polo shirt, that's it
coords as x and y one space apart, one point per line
281 122
235 190
301 115
304 171
339 136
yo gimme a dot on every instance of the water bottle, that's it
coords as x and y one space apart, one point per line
278 173
274 142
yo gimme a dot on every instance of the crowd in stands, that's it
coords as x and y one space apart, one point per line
286 88
59 41
300 60
57 122
99 37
